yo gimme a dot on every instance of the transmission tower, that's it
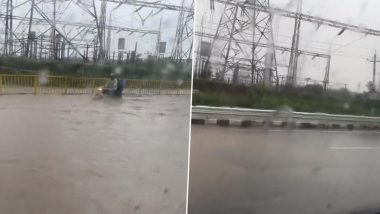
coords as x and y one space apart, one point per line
240 23
8 40
183 45
53 44
102 30
263 62
36 29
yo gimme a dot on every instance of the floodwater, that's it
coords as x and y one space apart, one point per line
248 171
72 154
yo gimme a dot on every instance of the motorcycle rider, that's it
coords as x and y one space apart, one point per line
121 84
111 86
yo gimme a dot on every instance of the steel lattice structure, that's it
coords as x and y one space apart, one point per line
42 34
239 23
245 63
244 31
184 35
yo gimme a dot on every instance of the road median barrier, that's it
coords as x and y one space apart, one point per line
255 118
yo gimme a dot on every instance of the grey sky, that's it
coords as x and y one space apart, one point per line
349 63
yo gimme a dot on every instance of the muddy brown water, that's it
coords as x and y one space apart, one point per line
71 154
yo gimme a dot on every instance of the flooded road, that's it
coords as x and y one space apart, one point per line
71 154
245 171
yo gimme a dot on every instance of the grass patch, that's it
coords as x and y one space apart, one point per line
162 69
311 98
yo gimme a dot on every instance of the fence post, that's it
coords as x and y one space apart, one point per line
1 84
35 83
93 85
160 87
66 84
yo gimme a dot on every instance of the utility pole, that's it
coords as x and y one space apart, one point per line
11 29
29 38
157 54
86 55
108 45
374 61
326 80
135 53
102 29
41 40
253 64
293 62
8 43
53 45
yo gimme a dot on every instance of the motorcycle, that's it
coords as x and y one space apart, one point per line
101 93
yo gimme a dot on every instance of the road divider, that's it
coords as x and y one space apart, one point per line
11 84
221 116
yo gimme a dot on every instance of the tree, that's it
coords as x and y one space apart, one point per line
370 86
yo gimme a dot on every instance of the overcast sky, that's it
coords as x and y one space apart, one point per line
349 51
123 16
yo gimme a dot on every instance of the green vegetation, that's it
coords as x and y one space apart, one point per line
162 69
311 98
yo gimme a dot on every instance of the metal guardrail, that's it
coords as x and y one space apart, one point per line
40 84
220 113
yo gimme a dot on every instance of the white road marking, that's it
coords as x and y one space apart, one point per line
354 148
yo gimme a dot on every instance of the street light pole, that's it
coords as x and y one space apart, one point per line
374 61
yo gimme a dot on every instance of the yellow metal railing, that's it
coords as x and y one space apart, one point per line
35 84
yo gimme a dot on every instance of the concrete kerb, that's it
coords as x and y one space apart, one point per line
279 124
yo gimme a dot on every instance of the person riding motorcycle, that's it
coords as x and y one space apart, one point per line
111 85
114 87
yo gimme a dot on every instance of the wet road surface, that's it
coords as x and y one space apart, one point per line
71 154
246 171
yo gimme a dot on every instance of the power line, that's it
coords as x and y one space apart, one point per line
327 43
312 8
340 46
313 48
304 17
350 43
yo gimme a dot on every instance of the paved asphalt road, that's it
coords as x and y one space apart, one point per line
246 171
